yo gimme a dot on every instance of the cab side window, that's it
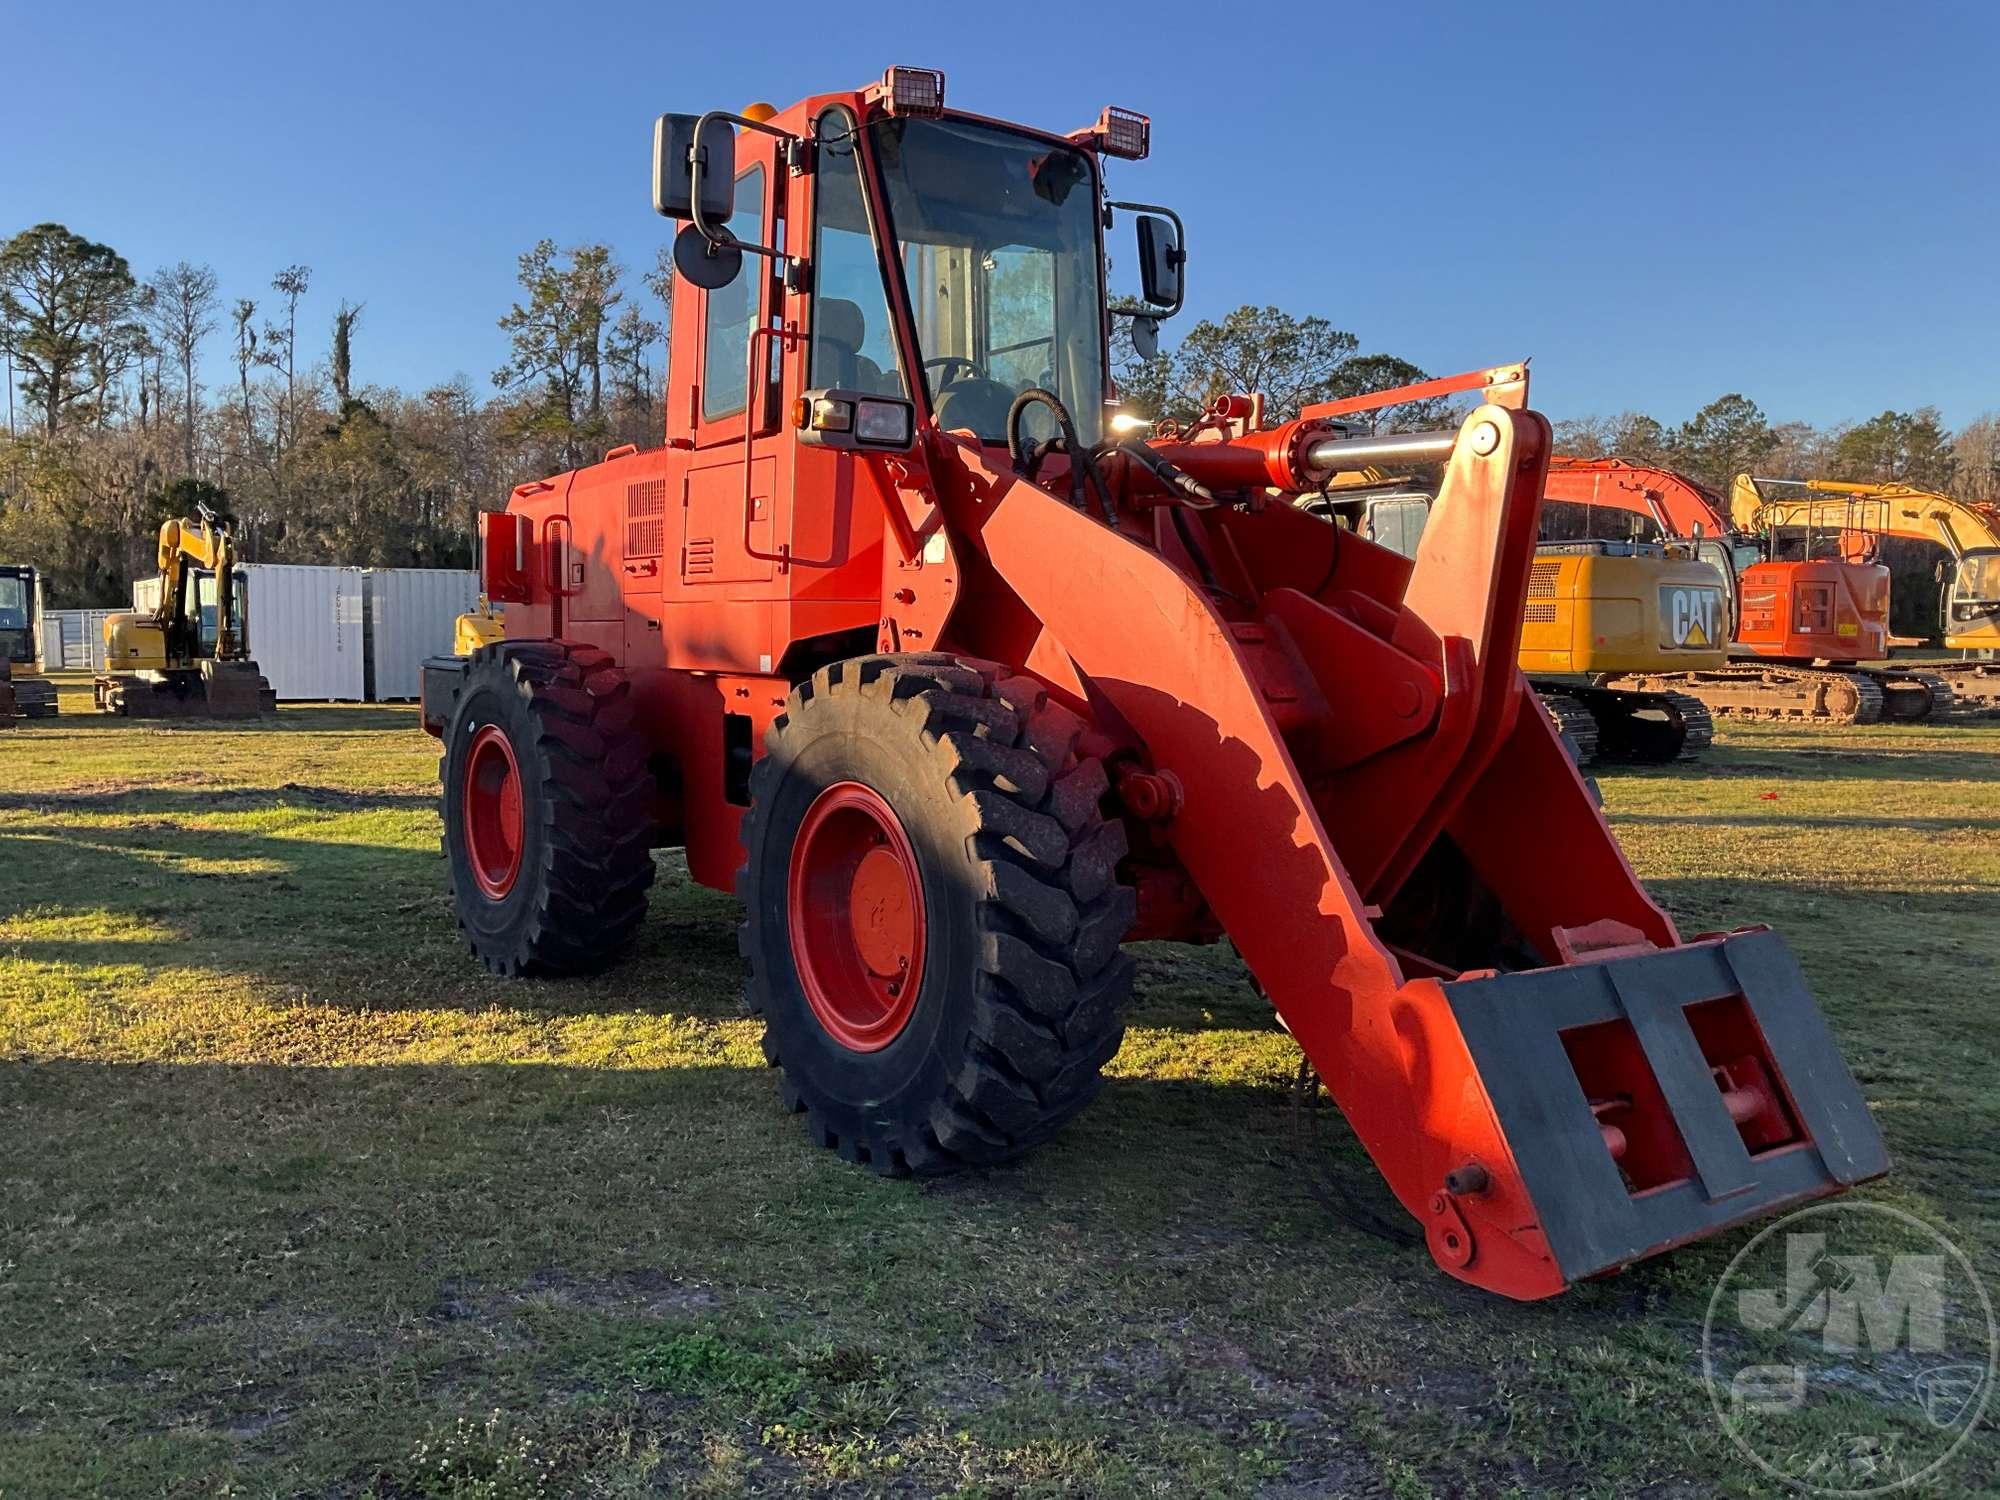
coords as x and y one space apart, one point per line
732 310
853 341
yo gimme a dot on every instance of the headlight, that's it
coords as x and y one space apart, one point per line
884 422
851 419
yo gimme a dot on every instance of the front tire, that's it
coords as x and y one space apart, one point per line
932 914
546 823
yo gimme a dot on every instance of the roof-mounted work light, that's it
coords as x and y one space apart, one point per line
1118 132
911 91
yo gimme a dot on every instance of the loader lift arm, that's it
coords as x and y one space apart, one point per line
1482 1094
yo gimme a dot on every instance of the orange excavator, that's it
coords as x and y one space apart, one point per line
1928 537
958 691
1808 631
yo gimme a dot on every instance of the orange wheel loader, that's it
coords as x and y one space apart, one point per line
958 691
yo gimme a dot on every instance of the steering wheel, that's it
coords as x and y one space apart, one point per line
953 361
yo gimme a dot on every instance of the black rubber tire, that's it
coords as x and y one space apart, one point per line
586 858
1024 985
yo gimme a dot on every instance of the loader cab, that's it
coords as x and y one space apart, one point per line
20 617
874 246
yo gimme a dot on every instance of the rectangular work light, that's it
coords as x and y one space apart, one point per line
1124 132
913 91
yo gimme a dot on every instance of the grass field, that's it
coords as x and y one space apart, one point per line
294 1200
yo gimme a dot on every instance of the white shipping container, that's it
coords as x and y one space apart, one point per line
412 614
306 631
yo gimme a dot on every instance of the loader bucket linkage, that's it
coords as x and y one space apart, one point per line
1595 1090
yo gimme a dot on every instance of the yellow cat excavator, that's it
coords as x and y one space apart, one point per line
188 658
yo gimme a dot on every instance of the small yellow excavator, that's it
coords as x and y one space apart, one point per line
189 658
24 692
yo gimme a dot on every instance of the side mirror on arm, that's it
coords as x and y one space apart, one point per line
1160 261
685 168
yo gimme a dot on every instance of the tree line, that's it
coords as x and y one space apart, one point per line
115 422
1731 435
118 417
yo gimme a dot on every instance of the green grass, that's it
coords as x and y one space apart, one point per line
293 1199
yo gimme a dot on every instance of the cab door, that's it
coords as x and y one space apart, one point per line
735 411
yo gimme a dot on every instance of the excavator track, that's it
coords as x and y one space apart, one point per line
1975 686
1912 697
34 698
1771 692
1628 726
220 690
1575 724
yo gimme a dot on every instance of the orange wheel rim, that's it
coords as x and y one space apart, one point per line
494 822
857 917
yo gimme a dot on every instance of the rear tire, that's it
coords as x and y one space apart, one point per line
546 798
981 836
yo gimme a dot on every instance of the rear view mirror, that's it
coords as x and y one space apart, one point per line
708 265
683 166
1160 260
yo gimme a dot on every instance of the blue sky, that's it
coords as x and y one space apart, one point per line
1657 203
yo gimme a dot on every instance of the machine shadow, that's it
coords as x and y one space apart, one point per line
1842 823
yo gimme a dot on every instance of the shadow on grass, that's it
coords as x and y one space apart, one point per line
165 801
1919 823
310 718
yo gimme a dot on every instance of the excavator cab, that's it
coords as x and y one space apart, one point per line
1972 601
24 692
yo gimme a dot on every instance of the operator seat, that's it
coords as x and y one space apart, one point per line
840 330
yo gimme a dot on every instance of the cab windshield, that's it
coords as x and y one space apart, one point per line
996 237
14 640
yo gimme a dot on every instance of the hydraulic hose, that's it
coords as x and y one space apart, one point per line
1082 466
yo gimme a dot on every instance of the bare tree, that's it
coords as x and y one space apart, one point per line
343 350
281 347
246 356
183 314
